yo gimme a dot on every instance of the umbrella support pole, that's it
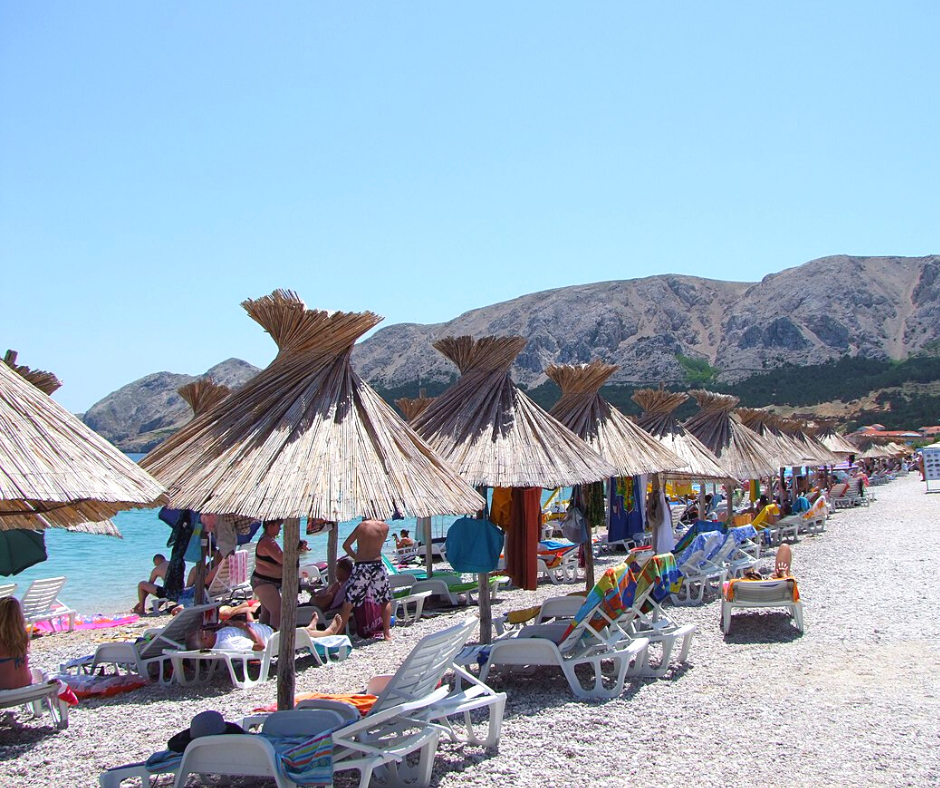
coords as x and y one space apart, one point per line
486 612
332 551
285 662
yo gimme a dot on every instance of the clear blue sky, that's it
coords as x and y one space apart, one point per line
162 161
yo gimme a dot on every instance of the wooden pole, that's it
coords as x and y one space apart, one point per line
424 524
285 657
589 553
201 570
483 590
332 550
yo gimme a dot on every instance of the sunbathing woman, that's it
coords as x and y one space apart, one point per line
14 646
248 636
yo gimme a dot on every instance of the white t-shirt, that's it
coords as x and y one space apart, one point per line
236 639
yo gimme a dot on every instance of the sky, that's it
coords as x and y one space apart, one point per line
161 162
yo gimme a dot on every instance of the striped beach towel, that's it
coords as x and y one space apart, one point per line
306 761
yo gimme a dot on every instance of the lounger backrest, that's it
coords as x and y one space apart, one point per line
764 591
173 635
301 722
7 590
41 595
423 669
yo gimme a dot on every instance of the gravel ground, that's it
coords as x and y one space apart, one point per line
853 701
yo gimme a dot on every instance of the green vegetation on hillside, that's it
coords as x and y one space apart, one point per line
845 380
698 372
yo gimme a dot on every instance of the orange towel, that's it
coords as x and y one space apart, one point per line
361 701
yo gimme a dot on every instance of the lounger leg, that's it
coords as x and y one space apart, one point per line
725 618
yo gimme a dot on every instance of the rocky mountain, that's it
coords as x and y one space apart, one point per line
138 416
880 307
874 307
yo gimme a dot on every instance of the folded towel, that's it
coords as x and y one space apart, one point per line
521 616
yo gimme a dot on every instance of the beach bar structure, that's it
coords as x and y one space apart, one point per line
495 436
306 438
55 472
628 447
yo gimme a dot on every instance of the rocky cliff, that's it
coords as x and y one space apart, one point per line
138 416
877 307
870 306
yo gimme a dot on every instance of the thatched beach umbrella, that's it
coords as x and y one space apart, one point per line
55 471
202 394
306 437
832 440
762 422
581 408
46 382
495 436
814 451
659 420
411 407
739 449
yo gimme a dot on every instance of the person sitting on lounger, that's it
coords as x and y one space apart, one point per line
248 636
14 646
333 597
144 587
404 540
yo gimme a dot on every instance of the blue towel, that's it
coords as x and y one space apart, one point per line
474 545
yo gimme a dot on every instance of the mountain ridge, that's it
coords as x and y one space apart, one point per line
653 327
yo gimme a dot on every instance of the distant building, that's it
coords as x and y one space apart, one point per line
899 436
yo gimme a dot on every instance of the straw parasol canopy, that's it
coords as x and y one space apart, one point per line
814 451
412 406
493 433
739 449
659 420
605 429
55 472
763 423
46 382
203 394
832 440
307 437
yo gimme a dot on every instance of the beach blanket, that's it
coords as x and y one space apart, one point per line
98 621
85 686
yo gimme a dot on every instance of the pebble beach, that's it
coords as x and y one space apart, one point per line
855 700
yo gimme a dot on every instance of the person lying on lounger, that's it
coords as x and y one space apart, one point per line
248 636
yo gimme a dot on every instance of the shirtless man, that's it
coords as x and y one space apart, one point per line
144 587
368 578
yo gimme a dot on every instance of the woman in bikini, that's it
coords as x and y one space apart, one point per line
269 570
14 646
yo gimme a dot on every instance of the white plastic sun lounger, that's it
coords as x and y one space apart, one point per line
40 602
42 694
761 593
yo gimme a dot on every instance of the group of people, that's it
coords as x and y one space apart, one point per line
361 582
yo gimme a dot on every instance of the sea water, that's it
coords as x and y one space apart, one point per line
103 571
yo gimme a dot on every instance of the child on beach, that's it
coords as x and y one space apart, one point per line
14 646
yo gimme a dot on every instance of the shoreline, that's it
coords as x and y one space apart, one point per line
855 696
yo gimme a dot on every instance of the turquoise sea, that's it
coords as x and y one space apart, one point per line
103 572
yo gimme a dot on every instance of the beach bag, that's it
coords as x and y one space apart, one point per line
574 526
368 619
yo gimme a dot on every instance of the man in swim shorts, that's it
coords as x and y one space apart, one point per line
144 587
368 580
